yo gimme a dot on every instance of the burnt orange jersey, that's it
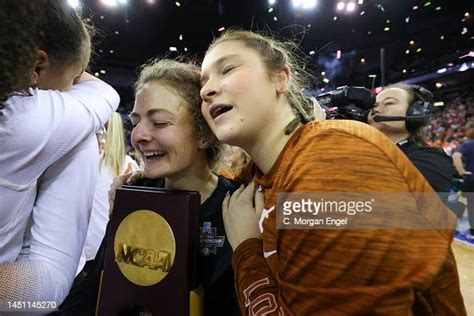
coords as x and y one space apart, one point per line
392 271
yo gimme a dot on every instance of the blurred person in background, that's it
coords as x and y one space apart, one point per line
235 158
464 163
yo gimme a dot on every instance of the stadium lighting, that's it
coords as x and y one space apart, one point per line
309 4
304 4
110 3
464 67
340 6
297 3
114 3
73 3
271 2
351 7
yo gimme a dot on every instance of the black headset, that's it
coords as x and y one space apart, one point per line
420 111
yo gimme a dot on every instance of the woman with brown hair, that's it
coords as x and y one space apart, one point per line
416 103
253 98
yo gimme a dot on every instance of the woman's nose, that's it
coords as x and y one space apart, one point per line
209 90
140 134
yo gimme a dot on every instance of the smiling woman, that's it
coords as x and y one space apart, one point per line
179 152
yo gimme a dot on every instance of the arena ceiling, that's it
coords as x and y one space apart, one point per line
417 36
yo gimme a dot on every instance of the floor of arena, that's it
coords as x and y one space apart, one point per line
463 248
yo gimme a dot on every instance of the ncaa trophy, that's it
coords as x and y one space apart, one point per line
151 256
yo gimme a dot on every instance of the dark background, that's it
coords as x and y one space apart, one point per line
142 29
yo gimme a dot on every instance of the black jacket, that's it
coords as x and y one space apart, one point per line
433 163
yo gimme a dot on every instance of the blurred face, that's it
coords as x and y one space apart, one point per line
163 132
237 156
238 95
61 77
390 102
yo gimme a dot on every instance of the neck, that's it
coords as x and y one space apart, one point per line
269 143
203 181
398 137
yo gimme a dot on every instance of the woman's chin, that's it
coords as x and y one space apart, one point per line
153 173
227 136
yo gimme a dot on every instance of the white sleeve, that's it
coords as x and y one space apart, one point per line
60 218
24 282
98 98
78 114
50 123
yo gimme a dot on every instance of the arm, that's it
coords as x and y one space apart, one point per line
78 113
50 123
458 164
55 238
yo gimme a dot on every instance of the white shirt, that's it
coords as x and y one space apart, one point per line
35 132
57 229
100 210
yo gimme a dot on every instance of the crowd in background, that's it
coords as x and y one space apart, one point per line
452 124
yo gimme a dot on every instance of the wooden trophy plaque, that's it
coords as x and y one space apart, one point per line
151 257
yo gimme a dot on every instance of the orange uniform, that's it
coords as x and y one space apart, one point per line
388 271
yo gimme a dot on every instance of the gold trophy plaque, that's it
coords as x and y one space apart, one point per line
151 256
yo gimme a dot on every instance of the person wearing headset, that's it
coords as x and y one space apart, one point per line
401 111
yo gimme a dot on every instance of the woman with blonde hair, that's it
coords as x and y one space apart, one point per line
114 155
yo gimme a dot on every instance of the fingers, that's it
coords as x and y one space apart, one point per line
244 192
129 169
235 195
134 177
116 183
231 199
225 208
259 202
225 203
